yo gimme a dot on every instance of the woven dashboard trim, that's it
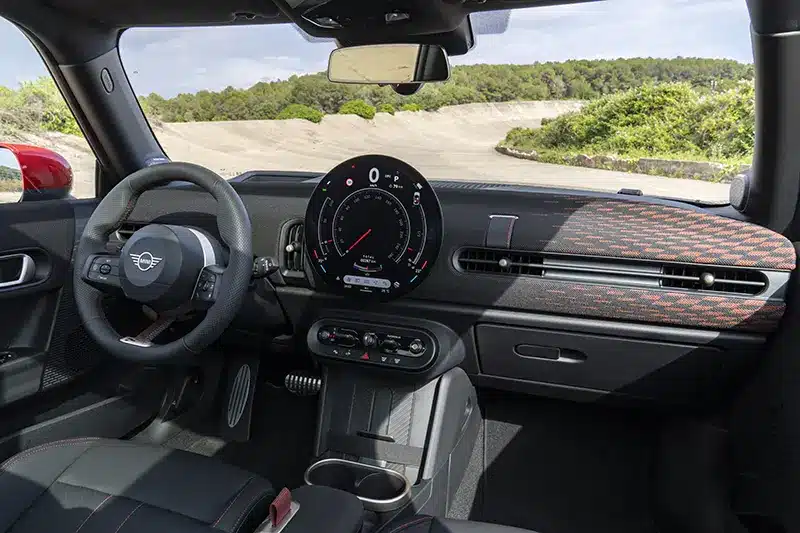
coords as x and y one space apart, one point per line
664 307
613 228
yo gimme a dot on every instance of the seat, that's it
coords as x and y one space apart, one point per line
110 486
431 524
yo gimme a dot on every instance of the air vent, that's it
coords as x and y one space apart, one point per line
698 278
488 261
293 250
605 271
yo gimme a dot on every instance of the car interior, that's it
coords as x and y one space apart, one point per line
367 350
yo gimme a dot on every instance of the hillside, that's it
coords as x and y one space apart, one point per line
666 121
578 79
37 105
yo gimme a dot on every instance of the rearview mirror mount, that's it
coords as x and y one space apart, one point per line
389 64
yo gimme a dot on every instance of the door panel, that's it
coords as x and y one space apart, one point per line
41 343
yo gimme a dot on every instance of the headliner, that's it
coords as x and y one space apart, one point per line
124 13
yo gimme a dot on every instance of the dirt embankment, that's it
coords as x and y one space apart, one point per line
454 143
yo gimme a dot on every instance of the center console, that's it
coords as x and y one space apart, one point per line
398 419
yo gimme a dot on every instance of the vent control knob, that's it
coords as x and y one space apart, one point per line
707 279
369 340
504 262
293 247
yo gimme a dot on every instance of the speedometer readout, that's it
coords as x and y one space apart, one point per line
373 226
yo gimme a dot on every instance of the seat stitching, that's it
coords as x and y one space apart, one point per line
247 511
153 505
413 523
33 451
128 517
92 513
24 453
228 508
30 506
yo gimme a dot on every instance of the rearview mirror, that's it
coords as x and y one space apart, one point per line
389 63
32 173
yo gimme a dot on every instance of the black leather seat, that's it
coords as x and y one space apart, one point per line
94 485
430 524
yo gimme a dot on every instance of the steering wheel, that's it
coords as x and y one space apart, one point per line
172 269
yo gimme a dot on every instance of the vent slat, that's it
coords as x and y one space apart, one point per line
293 249
713 279
620 272
488 261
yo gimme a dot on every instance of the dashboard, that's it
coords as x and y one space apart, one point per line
560 293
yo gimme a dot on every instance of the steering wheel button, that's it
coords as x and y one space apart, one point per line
105 268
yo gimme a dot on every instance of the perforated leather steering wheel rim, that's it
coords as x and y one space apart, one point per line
234 227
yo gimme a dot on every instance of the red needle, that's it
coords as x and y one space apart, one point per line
360 239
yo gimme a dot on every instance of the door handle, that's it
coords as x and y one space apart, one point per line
12 275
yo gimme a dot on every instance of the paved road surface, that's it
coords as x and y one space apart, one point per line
454 143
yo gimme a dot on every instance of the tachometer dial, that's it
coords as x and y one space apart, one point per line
373 226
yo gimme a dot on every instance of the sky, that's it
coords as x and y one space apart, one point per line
175 60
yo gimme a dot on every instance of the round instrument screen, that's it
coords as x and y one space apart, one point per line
373 226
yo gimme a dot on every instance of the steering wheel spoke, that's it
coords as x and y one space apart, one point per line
102 272
145 338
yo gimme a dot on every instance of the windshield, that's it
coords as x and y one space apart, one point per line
599 96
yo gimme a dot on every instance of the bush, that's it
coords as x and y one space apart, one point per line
668 120
386 108
37 105
410 107
358 107
301 111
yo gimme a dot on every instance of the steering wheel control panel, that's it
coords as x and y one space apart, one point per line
206 290
372 344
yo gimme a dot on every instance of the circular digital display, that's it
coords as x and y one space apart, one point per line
373 226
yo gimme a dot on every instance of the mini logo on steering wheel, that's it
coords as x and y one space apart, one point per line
145 261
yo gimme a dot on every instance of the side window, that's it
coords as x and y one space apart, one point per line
43 154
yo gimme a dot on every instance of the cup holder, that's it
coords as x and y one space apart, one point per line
380 489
